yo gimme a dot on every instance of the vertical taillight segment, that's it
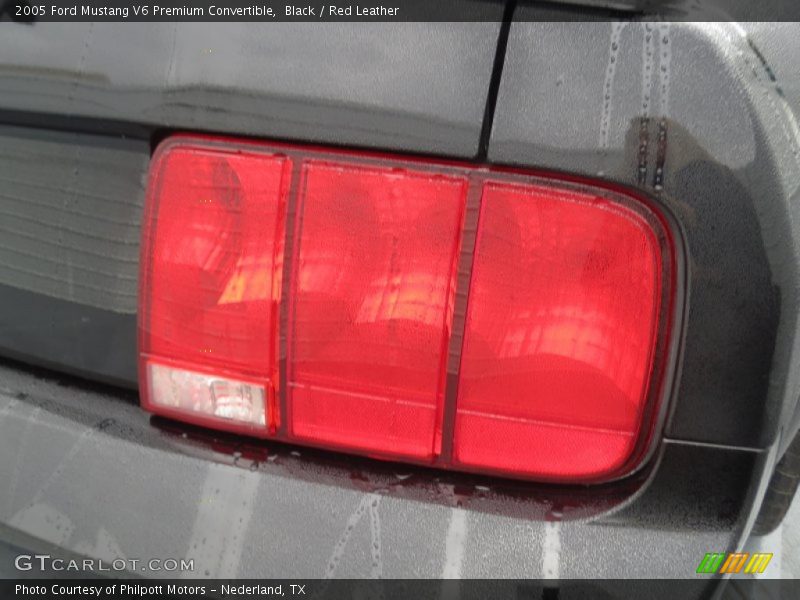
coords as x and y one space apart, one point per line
560 295
209 292
560 333
371 297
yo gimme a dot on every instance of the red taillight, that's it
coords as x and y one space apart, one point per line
370 303
560 332
561 303
209 292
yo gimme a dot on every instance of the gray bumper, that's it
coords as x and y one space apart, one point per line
89 473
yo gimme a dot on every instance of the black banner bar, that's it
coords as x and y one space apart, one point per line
32 11
141 589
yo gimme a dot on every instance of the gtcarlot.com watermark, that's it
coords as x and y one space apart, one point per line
45 562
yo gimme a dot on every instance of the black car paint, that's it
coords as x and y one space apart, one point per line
720 159
67 128
111 94
110 478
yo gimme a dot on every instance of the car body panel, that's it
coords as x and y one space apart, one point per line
134 486
688 114
73 198
373 85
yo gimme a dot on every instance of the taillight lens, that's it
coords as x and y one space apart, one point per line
560 331
370 301
211 247
559 300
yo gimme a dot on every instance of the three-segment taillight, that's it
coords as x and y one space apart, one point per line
437 313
